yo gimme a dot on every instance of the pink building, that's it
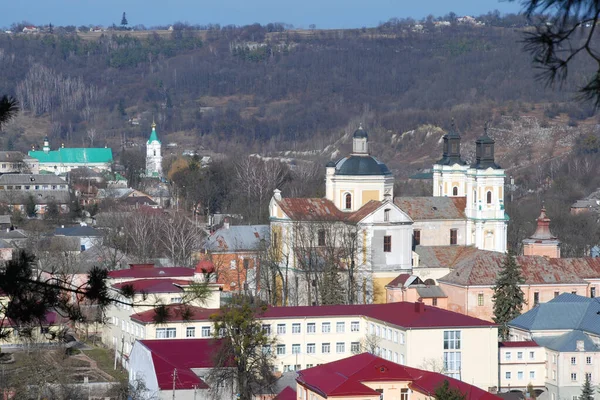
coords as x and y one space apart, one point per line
406 287
542 242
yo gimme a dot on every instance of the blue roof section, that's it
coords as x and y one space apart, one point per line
567 342
361 165
567 311
78 231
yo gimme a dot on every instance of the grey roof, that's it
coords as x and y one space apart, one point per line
5 245
237 238
361 165
437 208
430 292
567 311
78 231
567 342
39 196
14 234
31 179
13 156
5 219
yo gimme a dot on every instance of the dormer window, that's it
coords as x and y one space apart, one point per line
348 201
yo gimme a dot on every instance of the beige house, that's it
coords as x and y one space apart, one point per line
366 376
520 364
411 334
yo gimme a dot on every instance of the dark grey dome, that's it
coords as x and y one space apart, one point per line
360 133
330 164
361 165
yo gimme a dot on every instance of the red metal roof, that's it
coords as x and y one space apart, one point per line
525 343
183 355
402 314
346 377
155 285
138 271
176 313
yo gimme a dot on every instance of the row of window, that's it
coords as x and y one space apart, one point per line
130 327
33 187
488 195
520 375
190 332
311 327
311 348
588 360
386 333
520 355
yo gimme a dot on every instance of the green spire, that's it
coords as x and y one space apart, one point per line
153 135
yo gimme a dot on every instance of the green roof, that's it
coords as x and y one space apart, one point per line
80 155
153 136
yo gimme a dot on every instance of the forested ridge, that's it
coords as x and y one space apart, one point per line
247 85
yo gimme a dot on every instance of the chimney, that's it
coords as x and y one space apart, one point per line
277 194
226 223
580 345
419 307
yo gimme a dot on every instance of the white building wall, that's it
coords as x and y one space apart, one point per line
520 366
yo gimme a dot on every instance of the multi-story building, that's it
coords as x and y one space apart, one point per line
566 330
18 190
521 364
152 286
15 162
411 334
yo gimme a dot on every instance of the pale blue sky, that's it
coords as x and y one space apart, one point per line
300 13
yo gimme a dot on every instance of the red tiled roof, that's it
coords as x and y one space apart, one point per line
402 314
286 394
155 285
345 378
138 271
525 343
482 267
419 208
176 314
300 209
183 355
399 281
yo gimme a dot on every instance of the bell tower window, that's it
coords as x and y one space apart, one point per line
454 191
489 197
154 153
348 201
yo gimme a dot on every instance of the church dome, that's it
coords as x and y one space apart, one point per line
361 165
360 133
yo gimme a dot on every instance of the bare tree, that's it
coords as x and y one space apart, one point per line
180 238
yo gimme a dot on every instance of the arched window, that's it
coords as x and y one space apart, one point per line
474 196
348 201
454 191
155 153
489 197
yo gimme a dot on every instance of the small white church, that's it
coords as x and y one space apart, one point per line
375 234
153 155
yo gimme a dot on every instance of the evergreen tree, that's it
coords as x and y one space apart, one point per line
332 291
444 392
8 109
508 296
30 208
124 21
587 392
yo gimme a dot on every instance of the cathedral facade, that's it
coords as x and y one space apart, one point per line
369 235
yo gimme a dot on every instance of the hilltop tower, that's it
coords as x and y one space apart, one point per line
153 155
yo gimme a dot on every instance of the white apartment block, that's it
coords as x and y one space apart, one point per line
412 334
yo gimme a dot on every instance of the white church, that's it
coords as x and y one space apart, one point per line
153 155
375 234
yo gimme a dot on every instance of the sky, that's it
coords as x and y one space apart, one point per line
300 13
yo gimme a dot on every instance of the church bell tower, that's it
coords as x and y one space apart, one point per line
153 155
